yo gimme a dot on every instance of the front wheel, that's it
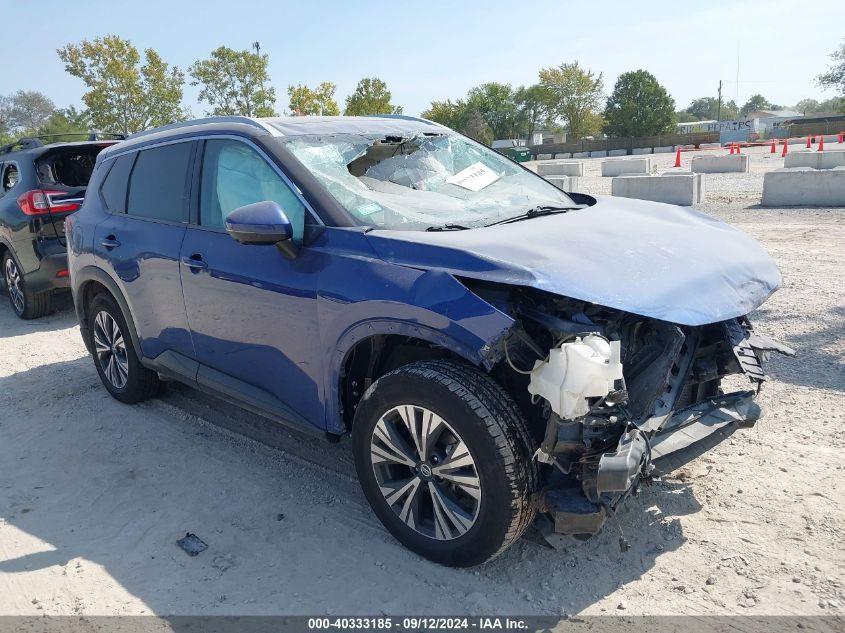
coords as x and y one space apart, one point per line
443 457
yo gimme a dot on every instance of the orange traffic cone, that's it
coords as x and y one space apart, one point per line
821 143
785 146
678 157
738 148
809 142
732 148
774 147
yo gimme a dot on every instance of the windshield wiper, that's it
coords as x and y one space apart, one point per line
448 227
535 212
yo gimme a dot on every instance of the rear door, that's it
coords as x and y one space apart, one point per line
139 241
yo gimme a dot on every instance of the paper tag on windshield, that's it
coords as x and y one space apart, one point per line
475 177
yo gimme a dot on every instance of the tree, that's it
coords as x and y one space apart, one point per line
370 96
757 102
532 108
707 109
476 127
67 121
835 76
452 114
638 106
574 93
123 95
234 83
30 109
495 103
304 100
812 106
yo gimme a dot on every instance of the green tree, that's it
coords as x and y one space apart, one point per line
835 76
757 102
477 128
532 105
234 83
496 104
574 94
66 125
812 106
638 106
452 114
124 95
320 101
707 109
370 96
30 109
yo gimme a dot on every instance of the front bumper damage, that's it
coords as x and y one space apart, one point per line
663 436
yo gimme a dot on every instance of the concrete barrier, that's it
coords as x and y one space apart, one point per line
827 159
561 168
710 145
598 153
618 152
618 166
580 154
668 149
544 156
566 155
565 183
804 187
683 189
715 164
642 150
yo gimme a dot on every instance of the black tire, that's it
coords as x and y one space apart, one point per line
30 305
493 429
140 383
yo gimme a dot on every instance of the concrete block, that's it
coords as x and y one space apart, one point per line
804 187
682 189
565 183
667 149
720 164
598 154
618 152
710 145
618 166
641 150
544 156
581 155
828 159
561 168
565 155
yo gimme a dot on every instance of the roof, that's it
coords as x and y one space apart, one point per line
766 114
379 125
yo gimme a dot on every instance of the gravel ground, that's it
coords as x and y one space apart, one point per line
94 494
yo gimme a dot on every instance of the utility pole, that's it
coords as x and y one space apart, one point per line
719 107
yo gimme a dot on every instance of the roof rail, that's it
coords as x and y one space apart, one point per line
32 142
245 120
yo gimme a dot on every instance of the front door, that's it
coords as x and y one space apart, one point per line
252 312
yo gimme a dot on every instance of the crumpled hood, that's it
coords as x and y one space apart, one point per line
647 258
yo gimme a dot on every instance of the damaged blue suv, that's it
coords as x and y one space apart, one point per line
500 351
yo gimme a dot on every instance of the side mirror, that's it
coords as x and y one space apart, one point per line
262 223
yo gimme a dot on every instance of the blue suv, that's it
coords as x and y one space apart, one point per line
501 352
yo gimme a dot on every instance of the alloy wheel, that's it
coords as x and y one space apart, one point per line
110 348
13 283
425 472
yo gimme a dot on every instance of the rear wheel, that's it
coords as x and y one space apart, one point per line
114 355
443 458
25 303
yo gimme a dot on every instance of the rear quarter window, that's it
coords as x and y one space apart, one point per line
158 184
116 183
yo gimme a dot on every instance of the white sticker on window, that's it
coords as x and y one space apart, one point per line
475 177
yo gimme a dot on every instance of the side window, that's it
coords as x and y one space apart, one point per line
115 185
157 186
233 175
11 176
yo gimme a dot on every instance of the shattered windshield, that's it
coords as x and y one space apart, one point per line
422 182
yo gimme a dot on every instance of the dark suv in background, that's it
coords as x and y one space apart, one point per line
40 184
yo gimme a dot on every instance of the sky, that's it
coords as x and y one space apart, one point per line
437 50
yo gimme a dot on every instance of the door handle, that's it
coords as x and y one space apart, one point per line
195 262
110 242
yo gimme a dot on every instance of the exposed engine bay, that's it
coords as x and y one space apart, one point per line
614 392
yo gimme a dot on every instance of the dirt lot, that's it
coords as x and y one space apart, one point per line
94 494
